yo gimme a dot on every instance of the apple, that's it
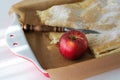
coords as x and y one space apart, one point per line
73 44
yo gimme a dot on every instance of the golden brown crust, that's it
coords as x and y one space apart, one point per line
99 15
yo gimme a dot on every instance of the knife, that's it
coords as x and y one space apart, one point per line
46 28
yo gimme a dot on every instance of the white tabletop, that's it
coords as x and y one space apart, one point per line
15 68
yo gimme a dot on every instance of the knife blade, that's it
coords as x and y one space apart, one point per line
84 31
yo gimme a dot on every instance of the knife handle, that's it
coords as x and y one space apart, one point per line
42 28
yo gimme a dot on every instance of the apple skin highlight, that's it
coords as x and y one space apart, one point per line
73 44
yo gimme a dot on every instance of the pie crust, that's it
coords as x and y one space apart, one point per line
100 15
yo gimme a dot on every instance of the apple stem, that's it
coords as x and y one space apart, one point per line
73 37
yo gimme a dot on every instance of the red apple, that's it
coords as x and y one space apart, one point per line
73 44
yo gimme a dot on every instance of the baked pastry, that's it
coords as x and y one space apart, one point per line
100 15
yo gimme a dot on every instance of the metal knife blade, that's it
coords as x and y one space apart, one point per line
84 31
